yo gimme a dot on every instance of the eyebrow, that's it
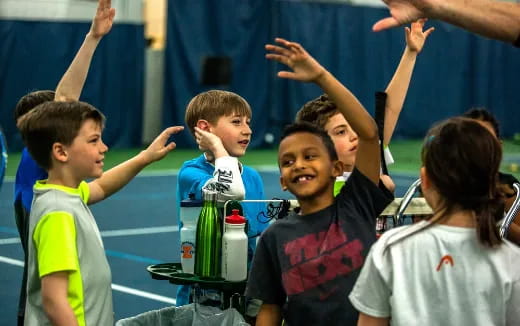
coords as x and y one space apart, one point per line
303 150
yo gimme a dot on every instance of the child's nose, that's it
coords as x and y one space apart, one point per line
103 148
247 130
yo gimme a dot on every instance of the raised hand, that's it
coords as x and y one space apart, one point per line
415 37
304 66
158 148
403 12
208 141
103 20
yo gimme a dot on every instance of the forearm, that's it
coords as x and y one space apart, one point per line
396 92
71 84
227 179
491 18
117 177
353 111
54 299
59 312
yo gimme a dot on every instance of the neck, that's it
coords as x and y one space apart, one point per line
316 203
63 178
460 218
348 167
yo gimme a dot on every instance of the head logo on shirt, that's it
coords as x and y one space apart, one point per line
445 260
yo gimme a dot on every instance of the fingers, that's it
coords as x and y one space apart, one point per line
163 137
287 75
407 32
278 49
173 130
385 23
277 57
429 31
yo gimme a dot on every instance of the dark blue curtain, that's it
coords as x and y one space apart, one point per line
34 56
456 70
236 29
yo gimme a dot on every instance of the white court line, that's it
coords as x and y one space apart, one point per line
115 287
116 233
137 231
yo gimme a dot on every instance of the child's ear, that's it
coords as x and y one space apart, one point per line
282 184
425 181
203 125
59 152
337 168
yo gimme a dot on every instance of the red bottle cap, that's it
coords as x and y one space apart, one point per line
234 218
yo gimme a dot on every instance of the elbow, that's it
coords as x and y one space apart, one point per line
371 133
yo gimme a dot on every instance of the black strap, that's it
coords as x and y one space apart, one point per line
380 122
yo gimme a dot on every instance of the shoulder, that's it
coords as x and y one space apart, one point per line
250 172
196 164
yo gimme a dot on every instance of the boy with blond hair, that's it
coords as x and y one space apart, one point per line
69 279
220 122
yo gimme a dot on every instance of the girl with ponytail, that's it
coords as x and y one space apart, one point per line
453 269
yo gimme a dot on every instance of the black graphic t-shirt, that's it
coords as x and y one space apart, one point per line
309 264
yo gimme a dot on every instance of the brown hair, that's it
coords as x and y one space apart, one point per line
214 104
30 101
462 159
317 111
54 122
484 115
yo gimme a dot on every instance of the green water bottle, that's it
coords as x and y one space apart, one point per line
208 238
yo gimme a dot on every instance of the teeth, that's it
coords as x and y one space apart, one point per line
304 178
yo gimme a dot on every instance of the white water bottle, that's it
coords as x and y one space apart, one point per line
234 248
189 214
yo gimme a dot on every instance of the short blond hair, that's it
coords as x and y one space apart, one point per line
214 104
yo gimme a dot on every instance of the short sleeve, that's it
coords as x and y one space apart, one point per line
371 294
264 281
84 191
55 242
513 305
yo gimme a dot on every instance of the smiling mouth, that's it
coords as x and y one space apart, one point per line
302 178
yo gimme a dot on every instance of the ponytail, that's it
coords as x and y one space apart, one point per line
490 212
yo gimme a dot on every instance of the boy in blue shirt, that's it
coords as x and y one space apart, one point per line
219 121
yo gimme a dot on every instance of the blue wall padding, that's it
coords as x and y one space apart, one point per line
34 56
456 70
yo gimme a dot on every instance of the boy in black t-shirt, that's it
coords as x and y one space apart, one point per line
306 264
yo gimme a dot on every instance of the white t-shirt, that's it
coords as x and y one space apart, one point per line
439 276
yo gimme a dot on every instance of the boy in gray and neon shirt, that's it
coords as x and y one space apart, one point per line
69 279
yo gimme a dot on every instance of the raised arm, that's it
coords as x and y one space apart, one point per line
117 177
70 86
307 69
491 18
398 87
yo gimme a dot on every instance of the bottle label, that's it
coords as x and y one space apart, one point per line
187 249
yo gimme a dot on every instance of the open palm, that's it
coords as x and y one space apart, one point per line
304 66
102 22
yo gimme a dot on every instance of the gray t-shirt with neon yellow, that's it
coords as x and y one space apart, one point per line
63 236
